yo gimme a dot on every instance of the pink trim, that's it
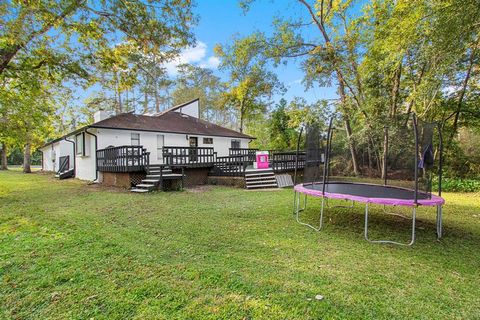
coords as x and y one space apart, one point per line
433 201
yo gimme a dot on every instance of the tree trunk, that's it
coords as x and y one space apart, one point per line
157 100
119 108
348 129
145 96
462 96
415 85
3 157
395 91
242 115
27 157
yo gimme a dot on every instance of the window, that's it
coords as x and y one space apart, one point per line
235 144
135 137
80 143
207 140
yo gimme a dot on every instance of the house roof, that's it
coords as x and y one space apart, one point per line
173 122
167 121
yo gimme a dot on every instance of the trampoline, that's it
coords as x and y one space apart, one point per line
318 178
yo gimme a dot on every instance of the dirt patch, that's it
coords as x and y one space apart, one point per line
199 189
44 173
97 187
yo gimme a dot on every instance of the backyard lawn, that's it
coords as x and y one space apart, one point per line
75 251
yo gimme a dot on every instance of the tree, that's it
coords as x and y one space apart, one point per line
196 82
155 82
35 28
282 135
387 59
27 107
51 42
250 84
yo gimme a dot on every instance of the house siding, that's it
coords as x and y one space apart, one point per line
53 152
86 164
114 137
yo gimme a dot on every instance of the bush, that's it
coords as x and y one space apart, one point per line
459 185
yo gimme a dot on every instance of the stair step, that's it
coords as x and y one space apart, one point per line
255 174
272 185
259 170
149 181
158 171
259 178
261 182
172 175
145 185
164 174
139 190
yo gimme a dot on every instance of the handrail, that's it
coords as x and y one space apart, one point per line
64 164
122 159
188 156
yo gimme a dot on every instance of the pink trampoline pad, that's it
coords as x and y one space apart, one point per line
369 193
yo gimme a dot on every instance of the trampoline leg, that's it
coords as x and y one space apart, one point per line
414 214
439 222
294 202
295 199
298 210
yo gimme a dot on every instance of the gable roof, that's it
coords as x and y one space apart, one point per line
172 122
167 121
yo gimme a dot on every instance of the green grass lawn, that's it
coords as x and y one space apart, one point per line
74 251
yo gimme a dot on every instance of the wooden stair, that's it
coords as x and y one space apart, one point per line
65 174
156 174
260 179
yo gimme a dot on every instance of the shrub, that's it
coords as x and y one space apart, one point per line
458 185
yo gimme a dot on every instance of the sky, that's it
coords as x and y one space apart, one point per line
220 20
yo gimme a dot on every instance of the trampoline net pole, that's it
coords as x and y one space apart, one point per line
385 155
326 160
415 133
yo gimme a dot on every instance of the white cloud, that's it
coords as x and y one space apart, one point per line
295 82
212 63
193 55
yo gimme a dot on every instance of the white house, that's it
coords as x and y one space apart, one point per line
178 132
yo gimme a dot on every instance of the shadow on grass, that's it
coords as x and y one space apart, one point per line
352 220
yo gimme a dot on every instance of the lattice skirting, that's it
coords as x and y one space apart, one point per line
137 177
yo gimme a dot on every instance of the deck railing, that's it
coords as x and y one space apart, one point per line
189 156
136 158
248 154
122 159
231 166
286 160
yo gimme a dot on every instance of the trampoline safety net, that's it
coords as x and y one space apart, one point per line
405 153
